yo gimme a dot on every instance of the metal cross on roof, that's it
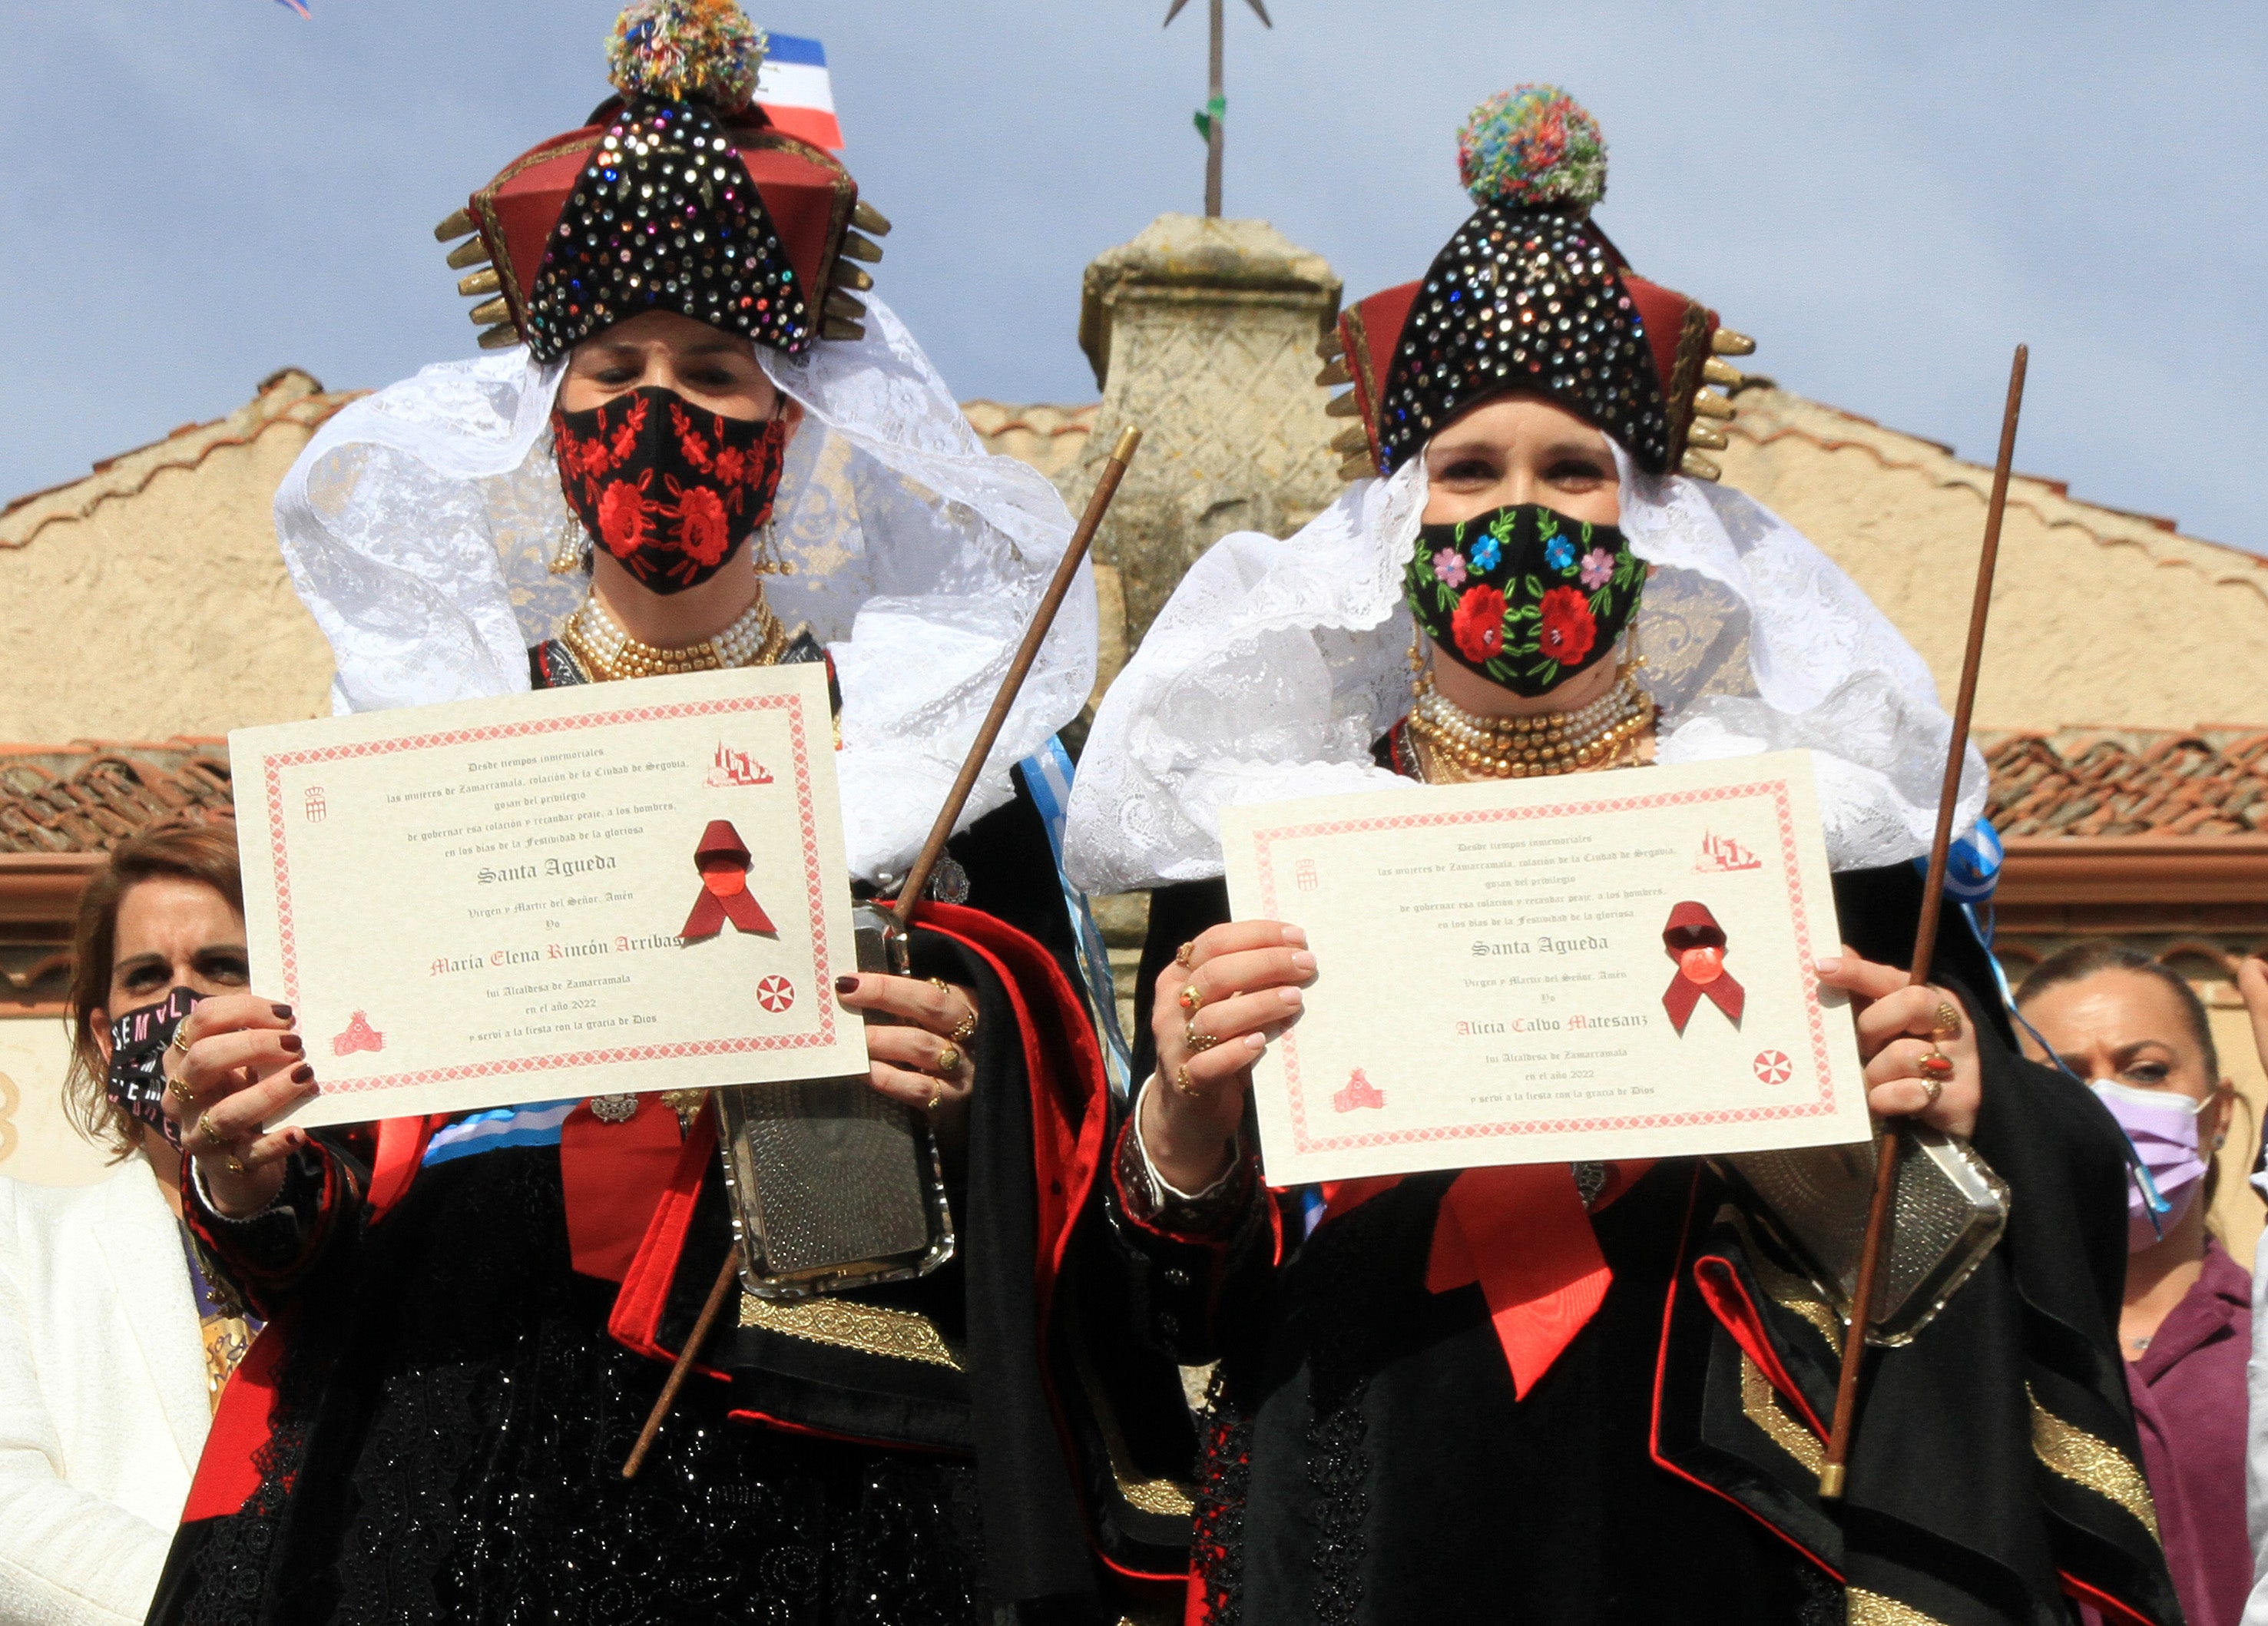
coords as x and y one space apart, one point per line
1209 121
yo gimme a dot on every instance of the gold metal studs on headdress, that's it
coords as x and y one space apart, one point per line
1353 442
844 314
493 315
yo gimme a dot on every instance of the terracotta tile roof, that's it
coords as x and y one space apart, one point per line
1768 413
286 396
1049 438
88 796
2079 782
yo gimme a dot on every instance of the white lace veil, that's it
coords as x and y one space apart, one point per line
1277 663
419 523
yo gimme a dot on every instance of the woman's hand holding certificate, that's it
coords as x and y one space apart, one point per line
1593 969
580 892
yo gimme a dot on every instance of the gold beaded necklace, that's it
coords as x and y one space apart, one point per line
608 653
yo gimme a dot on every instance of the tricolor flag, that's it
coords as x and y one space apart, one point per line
793 91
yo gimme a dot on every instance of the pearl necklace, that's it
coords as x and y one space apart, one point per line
608 653
1549 743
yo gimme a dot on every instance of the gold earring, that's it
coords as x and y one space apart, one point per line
765 546
574 546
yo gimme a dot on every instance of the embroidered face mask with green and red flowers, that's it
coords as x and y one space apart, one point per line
1525 596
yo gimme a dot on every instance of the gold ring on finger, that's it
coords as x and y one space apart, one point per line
233 1163
181 1039
179 1089
1936 1067
204 1127
1183 955
1196 1041
935 1097
1182 1082
1934 1087
1945 1021
1192 996
948 1059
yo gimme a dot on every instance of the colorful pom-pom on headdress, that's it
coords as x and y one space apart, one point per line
1533 147
687 50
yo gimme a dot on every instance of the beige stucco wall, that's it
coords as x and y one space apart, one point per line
2097 617
36 1143
149 600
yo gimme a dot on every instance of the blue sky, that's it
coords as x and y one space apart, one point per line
1889 195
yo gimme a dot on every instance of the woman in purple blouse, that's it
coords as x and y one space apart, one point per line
2137 1033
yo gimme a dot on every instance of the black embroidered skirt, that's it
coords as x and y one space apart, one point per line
453 1420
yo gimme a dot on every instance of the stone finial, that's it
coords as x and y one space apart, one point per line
1202 332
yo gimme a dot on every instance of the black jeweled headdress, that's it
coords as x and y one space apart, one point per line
1530 296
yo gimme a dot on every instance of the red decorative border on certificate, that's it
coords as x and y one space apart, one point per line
271 767
1776 789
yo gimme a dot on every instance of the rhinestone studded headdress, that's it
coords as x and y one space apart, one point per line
1529 295
676 195
665 217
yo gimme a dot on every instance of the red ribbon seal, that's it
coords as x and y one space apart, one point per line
1695 940
722 857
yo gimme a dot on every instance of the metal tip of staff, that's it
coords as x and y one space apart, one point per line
1128 439
1830 1483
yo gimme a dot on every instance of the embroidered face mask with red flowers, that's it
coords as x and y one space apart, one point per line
669 488
1525 596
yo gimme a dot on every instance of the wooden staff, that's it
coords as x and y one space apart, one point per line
1114 470
1876 1247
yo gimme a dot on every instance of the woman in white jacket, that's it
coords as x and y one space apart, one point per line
111 1349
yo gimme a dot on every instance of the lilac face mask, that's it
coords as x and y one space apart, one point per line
2162 1127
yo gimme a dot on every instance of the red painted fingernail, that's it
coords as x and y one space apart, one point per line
284 1013
294 1043
846 985
303 1074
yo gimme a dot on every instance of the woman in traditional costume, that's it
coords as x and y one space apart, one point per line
695 447
1595 1392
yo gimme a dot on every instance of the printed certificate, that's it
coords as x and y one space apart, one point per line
1595 966
579 891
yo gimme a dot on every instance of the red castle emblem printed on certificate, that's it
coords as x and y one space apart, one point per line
359 1035
730 768
1359 1092
1721 854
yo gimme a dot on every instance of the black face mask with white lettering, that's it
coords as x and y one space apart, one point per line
137 1079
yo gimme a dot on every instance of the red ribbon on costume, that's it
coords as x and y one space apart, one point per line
1695 940
1524 1236
722 857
